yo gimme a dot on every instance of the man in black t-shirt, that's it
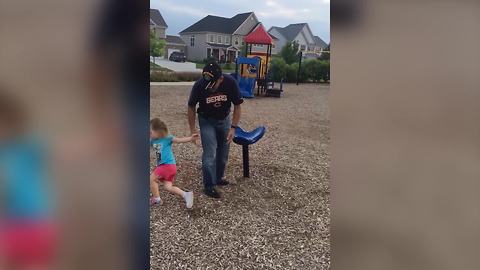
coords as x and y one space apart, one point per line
214 92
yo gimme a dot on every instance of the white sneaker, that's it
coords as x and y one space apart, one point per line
189 199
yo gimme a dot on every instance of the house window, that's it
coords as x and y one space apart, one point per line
219 39
302 47
192 41
211 38
236 40
227 40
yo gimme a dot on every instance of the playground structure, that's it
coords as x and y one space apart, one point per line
254 68
259 38
245 139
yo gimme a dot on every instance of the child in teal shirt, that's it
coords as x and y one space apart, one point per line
166 168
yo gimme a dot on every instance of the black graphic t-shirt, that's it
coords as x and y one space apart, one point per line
215 104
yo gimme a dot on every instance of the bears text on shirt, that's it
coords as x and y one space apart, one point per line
215 104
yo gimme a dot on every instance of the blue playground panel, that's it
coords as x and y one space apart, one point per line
246 84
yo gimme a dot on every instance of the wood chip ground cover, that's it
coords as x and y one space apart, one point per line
277 219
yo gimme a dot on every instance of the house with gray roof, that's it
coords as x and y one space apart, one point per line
218 37
308 43
159 27
158 24
320 43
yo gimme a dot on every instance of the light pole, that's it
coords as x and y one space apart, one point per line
299 65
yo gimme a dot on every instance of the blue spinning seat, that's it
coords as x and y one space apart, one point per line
245 138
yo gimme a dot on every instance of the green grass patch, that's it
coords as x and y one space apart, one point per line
226 67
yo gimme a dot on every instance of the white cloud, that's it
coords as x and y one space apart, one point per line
303 10
271 3
186 8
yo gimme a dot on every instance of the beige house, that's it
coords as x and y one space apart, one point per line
158 24
300 33
159 27
218 37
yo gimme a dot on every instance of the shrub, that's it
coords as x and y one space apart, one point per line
316 70
162 76
313 70
188 76
291 73
303 73
325 71
278 68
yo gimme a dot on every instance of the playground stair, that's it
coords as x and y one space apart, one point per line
272 91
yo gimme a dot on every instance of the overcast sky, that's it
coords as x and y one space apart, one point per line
179 14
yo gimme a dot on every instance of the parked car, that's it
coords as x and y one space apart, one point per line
177 57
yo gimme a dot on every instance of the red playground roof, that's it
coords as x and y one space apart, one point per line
259 36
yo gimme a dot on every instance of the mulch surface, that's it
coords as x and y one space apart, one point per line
277 219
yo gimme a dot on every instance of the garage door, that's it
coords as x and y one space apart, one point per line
170 51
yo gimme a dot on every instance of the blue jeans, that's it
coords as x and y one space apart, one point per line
214 133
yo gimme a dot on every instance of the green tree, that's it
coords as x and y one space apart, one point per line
289 52
157 46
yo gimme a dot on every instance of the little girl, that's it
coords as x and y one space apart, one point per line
28 225
166 168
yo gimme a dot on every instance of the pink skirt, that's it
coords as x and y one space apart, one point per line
166 172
